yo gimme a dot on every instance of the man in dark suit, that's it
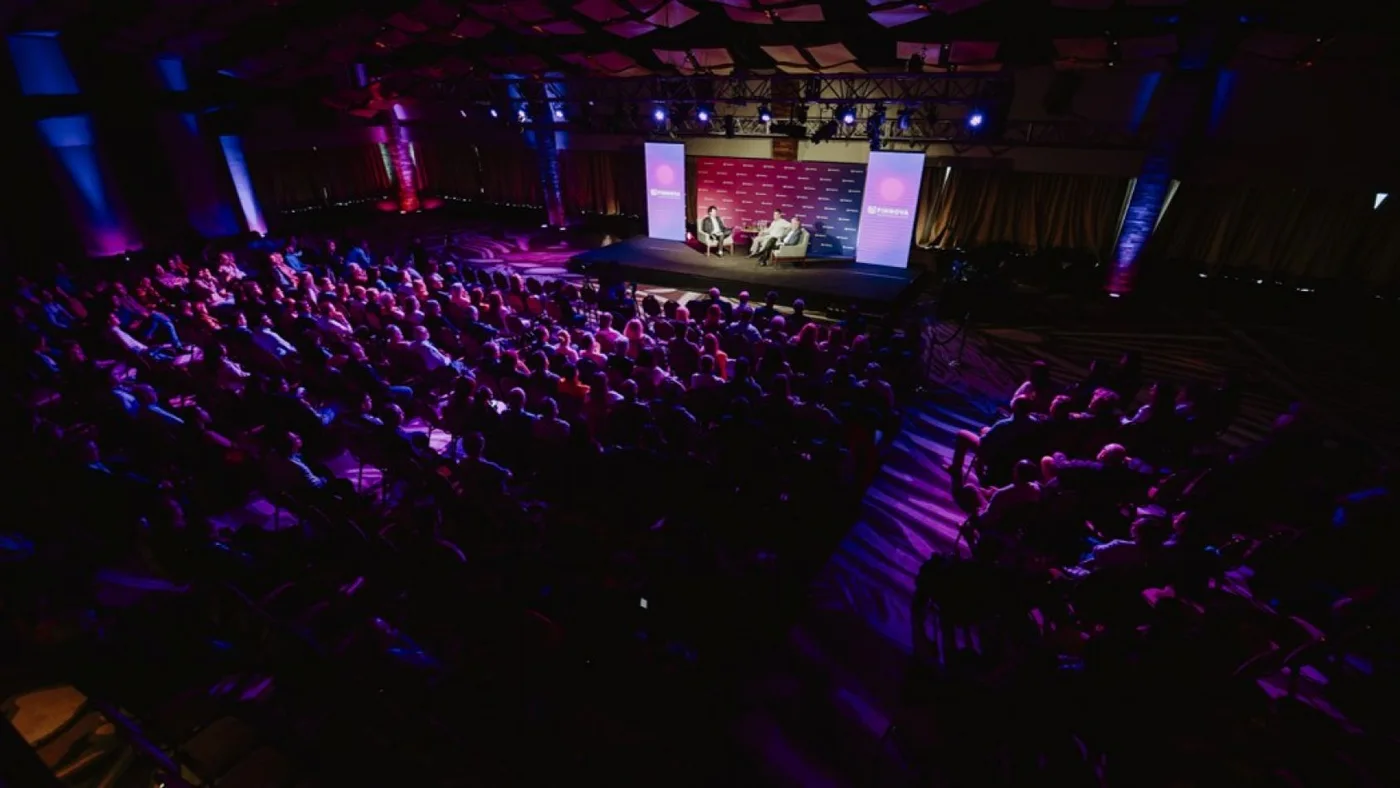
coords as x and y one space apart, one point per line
713 226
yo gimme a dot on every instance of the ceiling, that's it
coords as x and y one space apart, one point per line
315 43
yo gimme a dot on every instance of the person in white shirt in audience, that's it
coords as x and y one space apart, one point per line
266 338
332 322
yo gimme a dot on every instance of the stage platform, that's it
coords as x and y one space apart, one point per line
824 283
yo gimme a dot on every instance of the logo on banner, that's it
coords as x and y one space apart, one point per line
881 210
891 189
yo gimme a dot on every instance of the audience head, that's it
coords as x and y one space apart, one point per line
1022 407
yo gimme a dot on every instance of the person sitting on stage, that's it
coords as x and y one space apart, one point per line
791 233
717 234
768 239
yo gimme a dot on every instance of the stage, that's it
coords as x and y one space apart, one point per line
824 283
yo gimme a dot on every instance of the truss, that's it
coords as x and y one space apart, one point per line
915 134
777 89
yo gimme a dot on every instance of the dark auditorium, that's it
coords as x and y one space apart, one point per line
700 393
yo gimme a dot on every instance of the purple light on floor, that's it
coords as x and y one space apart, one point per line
243 183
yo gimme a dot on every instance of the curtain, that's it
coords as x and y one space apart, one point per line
930 189
1033 210
450 169
1378 254
1277 231
603 181
286 179
511 176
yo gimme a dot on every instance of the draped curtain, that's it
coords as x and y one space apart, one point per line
1277 231
286 179
603 181
511 176
449 168
1032 210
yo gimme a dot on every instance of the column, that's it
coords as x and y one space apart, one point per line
551 182
99 217
405 170
200 177
1179 107
1145 204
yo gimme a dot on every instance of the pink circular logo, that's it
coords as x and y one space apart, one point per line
665 175
891 189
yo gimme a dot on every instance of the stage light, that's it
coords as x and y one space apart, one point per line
521 116
703 113
848 116
905 118
494 113
731 127
558 114
825 132
659 115
975 120
765 115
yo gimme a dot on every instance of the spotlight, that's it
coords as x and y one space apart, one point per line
702 115
975 120
764 114
905 118
848 116
558 114
825 132
659 115
520 115
495 113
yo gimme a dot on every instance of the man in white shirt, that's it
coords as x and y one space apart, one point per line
121 337
766 241
433 359
270 341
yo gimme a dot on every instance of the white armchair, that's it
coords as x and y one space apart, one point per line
712 242
795 252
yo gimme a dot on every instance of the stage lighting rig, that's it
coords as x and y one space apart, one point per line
765 115
659 114
824 132
847 114
905 119
799 113
703 113
731 126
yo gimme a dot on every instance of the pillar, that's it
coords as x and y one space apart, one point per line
551 182
1145 204
405 170
102 222
200 177
1179 108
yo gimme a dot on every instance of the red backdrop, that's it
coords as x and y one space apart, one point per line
827 196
